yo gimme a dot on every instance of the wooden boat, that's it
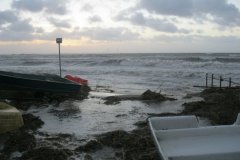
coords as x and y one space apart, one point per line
181 138
37 83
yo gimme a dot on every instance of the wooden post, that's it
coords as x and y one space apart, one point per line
230 82
220 84
206 80
212 80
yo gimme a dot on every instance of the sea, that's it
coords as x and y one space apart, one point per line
174 75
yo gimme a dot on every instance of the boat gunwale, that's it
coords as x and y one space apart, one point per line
32 79
160 150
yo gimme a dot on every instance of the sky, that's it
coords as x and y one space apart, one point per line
119 26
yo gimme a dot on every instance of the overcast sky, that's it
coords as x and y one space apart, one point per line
119 26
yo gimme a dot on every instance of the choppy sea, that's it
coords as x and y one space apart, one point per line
172 74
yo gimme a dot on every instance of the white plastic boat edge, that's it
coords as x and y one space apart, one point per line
168 128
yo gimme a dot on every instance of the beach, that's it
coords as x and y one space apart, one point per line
30 142
94 128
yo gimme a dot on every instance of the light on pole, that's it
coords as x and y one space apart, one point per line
59 41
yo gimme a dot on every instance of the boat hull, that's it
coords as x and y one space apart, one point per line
37 83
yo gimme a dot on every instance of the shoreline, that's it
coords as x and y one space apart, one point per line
219 106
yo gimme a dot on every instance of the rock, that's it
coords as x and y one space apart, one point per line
88 157
115 139
32 122
44 153
141 124
220 106
3 157
163 114
142 154
61 137
119 155
85 89
19 141
149 95
112 100
91 146
137 144
121 115
146 96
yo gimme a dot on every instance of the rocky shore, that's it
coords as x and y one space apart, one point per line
220 106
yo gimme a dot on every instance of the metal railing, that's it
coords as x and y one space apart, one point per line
213 78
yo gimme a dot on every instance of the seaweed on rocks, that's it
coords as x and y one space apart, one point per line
31 122
150 95
146 96
3 156
91 146
85 89
137 144
19 140
88 157
112 100
163 114
220 106
45 152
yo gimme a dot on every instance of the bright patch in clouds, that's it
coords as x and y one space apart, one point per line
31 26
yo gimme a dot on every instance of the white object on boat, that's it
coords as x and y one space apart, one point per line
181 138
10 118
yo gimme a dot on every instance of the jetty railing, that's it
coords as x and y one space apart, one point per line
220 79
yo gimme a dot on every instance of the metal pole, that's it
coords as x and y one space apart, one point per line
60 65
220 82
230 82
206 80
212 80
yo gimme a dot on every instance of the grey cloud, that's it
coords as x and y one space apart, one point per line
197 39
60 23
109 34
223 13
21 26
15 36
20 30
156 24
31 5
168 7
87 7
7 17
95 18
50 6
56 6
162 25
39 30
